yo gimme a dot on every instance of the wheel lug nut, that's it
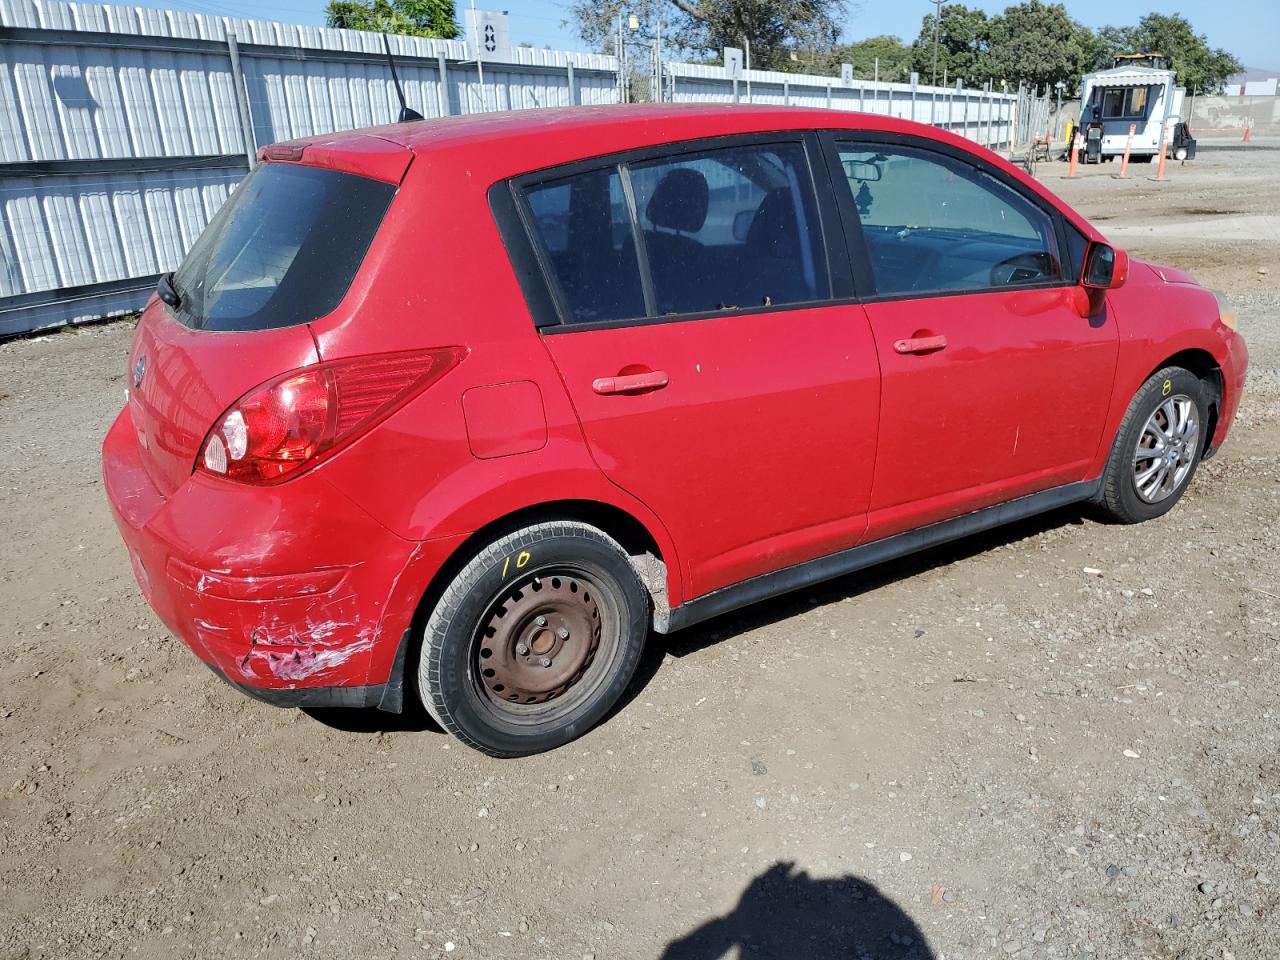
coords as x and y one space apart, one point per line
541 621
563 633
545 661
522 648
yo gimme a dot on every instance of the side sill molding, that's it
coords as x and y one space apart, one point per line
878 551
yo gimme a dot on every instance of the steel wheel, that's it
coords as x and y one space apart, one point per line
538 642
1167 448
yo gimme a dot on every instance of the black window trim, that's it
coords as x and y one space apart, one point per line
546 302
526 261
858 254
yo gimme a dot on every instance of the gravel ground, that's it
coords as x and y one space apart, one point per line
1054 740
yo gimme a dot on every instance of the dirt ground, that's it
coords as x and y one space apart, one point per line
985 751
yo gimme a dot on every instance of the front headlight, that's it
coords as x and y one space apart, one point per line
1226 312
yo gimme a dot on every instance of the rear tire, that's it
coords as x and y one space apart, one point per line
1157 448
534 640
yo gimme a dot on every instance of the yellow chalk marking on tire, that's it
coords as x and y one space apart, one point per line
523 559
1167 388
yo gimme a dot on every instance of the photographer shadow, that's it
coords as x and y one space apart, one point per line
785 914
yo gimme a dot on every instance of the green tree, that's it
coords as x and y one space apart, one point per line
1196 65
783 34
1039 43
963 41
418 18
893 55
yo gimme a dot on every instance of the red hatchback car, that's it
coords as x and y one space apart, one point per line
471 405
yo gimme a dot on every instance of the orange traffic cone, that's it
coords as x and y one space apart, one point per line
1124 164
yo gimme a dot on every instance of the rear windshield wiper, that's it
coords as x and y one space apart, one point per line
167 291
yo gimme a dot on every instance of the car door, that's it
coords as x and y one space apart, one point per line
996 368
714 378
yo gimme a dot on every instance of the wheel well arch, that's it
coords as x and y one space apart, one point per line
632 535
1205 366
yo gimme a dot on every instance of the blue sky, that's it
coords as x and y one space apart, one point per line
1248 28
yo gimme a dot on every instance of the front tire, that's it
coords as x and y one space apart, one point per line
534 640
1157 448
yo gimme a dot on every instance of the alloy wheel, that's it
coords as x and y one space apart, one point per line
1166 448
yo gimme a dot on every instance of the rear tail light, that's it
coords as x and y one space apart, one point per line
294 421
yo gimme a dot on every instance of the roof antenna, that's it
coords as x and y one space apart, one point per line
406 114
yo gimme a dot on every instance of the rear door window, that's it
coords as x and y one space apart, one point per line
283 249
586 235
734 228
730 229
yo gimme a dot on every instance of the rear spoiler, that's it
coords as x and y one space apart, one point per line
358 153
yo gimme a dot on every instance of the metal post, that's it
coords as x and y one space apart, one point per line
786 92
746 49
915 82
657 63
242 101
937 25
479 62
442 89
735 89
573 86
828 96
986 138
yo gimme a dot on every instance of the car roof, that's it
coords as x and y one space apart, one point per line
495 146
506 143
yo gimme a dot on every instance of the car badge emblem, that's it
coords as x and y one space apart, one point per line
139 370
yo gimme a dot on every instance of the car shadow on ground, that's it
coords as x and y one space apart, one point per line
767 612
415 719
785 914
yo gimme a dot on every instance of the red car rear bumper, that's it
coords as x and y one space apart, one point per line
300 599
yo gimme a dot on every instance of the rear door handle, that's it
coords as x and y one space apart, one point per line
920 344
630 383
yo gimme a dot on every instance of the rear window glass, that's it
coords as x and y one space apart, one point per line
586 231
729 229
282 250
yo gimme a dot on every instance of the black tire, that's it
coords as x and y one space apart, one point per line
513 578
1120 499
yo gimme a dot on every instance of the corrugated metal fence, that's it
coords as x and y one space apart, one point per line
123 129
985 117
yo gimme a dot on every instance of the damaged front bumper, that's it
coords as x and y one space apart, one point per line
295 596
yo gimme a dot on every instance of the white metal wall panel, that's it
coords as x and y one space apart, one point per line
66 101
709 83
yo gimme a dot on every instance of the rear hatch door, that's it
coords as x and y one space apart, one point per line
280 253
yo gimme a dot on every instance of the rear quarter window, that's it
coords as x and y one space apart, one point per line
283 249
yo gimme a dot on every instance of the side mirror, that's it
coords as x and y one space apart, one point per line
1105 267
